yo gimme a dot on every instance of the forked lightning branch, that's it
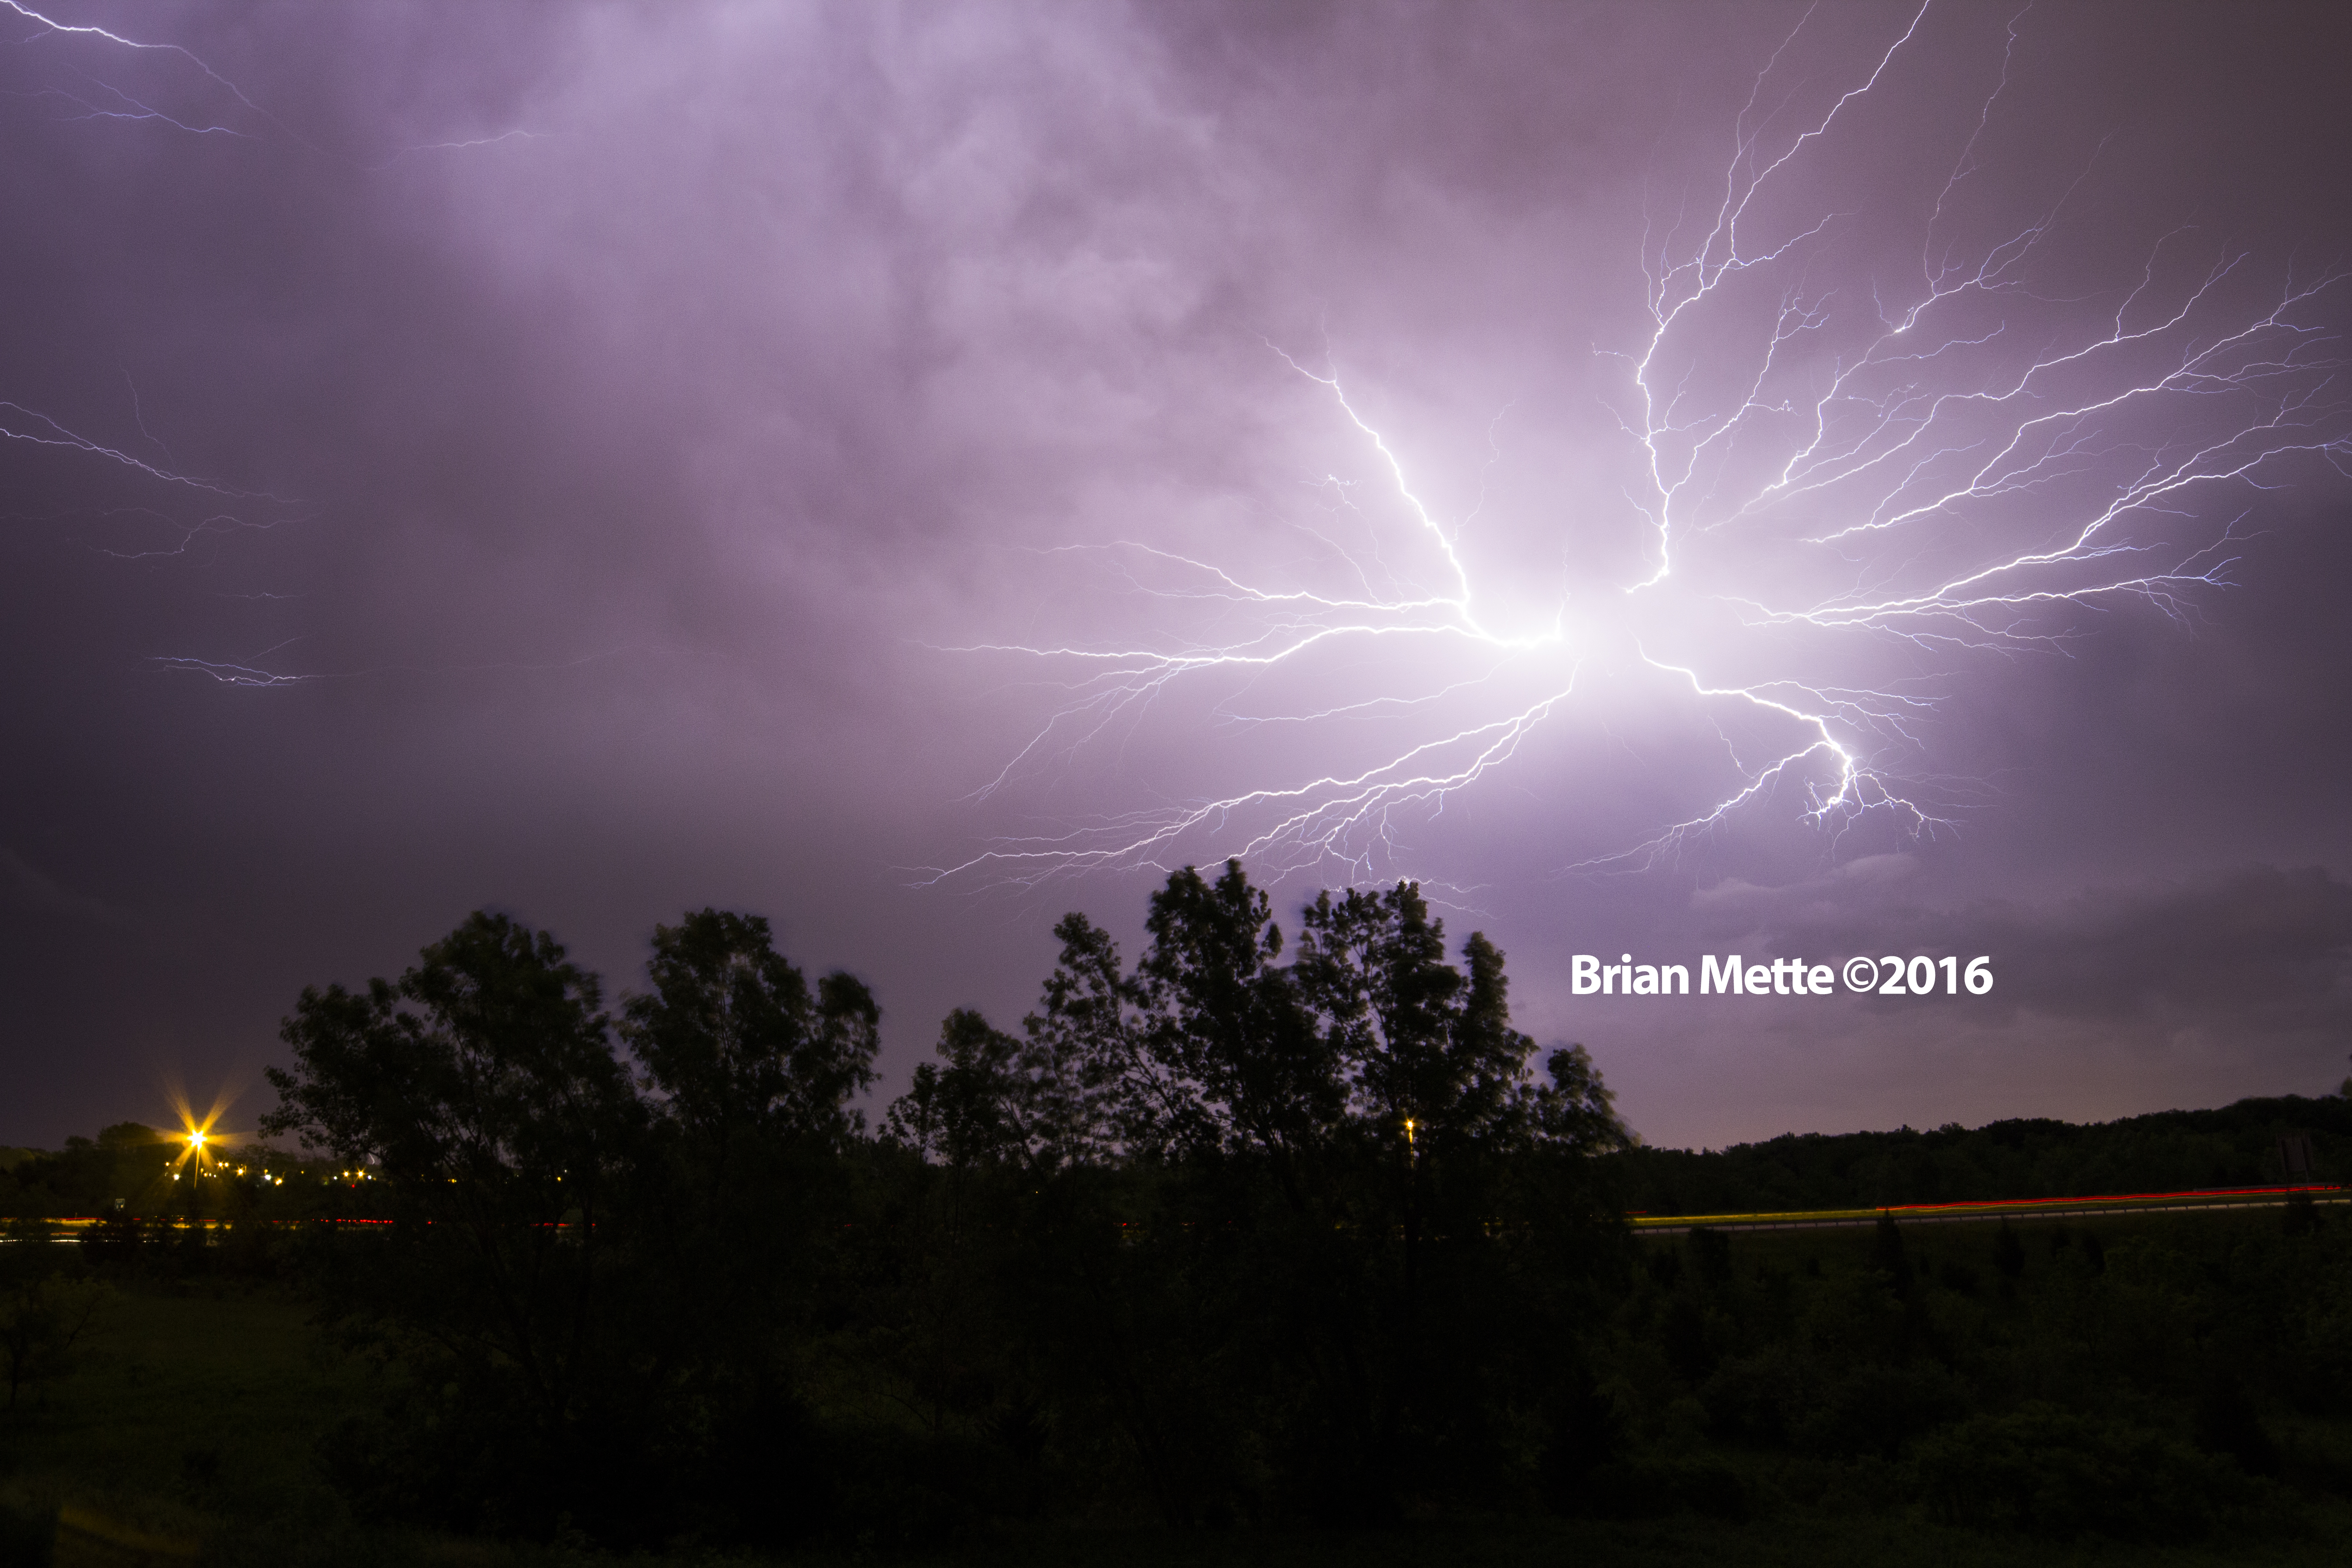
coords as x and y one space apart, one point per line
1843 480
1920 974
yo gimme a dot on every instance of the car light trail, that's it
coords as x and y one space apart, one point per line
2199 1199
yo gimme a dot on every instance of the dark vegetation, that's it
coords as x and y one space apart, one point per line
2172 1151
1271 1238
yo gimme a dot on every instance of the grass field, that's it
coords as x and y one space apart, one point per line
191 1414
189 1421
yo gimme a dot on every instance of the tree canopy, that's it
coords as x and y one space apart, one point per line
1266 1216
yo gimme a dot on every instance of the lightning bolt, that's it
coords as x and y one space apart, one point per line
114 103
139 532
136 531
1953 467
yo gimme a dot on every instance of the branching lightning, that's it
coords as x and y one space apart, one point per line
193 509
113 102
136 531
1944 468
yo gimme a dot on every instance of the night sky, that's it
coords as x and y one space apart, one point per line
912 470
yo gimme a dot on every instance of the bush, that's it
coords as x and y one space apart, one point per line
2049 1471
26 1528
1827 1408
1655 1488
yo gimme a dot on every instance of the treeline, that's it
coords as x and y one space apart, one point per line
2149 1378
2170 1151
124 1163
1261 1227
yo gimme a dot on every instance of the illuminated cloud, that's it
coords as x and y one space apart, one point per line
578 459
1863 446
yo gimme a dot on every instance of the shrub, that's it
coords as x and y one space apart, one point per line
2049 1471
1654 1488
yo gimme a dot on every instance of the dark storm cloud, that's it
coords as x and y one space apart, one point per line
2256 952
615 409
27 888
2111 1002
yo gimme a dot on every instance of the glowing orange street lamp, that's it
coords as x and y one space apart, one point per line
196 1160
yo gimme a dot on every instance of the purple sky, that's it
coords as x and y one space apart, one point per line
569 459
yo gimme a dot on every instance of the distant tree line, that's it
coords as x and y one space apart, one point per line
88 1176
2170 1151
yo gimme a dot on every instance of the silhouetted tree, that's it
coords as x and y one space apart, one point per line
1300 1201
2008 1253
739 1193
976 1106
1888 1257
482 1090
739 1048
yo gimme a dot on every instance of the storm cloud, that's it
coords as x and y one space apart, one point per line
551 459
